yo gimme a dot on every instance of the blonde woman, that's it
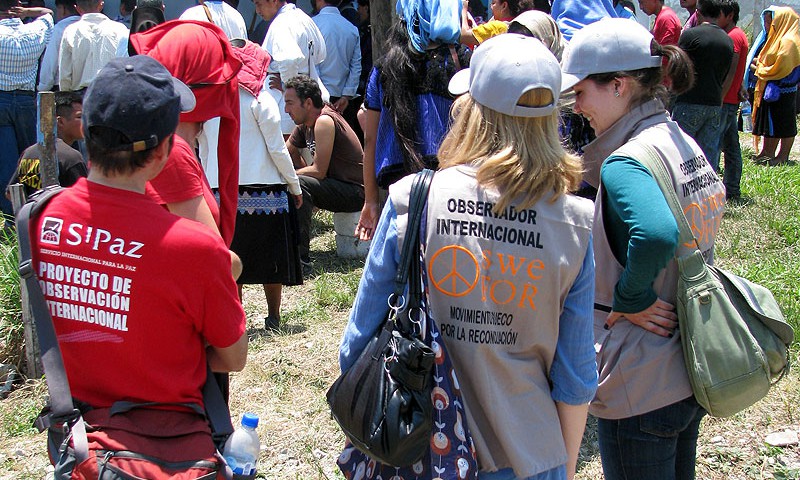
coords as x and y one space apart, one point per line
508 268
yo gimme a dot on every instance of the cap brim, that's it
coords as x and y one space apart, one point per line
569 80
188 102
459 83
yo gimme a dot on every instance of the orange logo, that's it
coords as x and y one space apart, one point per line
454 271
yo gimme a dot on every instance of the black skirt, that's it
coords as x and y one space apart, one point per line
777 119
266 236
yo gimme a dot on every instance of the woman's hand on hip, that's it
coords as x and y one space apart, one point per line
659 318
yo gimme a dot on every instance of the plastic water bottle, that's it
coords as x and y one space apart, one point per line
747 119
242 448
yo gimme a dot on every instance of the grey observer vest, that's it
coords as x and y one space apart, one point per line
497 283
640 371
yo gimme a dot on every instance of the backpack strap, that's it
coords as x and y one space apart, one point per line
62 408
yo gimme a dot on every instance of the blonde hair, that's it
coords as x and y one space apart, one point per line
522 157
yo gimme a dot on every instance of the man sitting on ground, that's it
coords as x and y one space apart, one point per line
334 181
71 166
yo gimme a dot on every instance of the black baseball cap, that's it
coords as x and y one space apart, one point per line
137 97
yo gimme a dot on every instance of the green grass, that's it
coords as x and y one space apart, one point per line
11 327
762 241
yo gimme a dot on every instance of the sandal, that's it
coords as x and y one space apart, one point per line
763 159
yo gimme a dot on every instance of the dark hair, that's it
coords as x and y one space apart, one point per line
64 101
69 5
363 3
102 143
730 6
128 4
518 28
406 73
6 5
542 5
306 87
709 8
518 6
233 3
88 4
679 71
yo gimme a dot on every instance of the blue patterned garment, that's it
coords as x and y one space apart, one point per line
263 203
452 453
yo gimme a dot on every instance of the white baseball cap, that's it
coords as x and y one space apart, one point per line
608 45
503 68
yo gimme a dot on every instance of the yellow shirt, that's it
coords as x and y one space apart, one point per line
489 30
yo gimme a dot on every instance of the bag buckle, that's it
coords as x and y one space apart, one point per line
68 419
26 269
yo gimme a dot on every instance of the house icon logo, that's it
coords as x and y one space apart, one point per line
51 230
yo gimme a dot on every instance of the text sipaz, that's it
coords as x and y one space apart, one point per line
98 237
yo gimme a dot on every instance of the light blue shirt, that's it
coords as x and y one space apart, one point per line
20 48
341 69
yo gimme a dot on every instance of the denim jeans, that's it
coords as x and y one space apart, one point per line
658 445
703 123
729 145
328 194
17 132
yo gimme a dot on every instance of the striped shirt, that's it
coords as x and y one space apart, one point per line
20 48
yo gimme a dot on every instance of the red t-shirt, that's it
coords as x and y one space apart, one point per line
740 47
135 292
182 179
667 27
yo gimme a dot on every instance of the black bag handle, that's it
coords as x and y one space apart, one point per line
409 257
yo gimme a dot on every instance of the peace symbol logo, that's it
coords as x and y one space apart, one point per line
454 271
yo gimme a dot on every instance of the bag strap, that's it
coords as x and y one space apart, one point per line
409 256
61 406
650 158
208 12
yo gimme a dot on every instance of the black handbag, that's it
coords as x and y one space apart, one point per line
383 402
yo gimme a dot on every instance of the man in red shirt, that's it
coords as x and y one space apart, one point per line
141 299
666 27
729 142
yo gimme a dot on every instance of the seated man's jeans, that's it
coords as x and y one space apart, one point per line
703 123
17 132
729 145
658 445
328 194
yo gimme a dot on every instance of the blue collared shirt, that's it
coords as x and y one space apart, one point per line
20 47
341 69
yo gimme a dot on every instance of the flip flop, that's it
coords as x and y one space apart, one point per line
763 159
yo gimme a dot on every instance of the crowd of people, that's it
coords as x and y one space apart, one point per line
205 160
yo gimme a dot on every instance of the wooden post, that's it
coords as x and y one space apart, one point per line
381 15
33 358
48 165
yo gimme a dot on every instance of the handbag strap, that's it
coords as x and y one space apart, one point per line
650 158
408 268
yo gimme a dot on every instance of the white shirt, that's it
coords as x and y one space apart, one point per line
223 15
86 47
296 46
48 75
341 69
263 157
